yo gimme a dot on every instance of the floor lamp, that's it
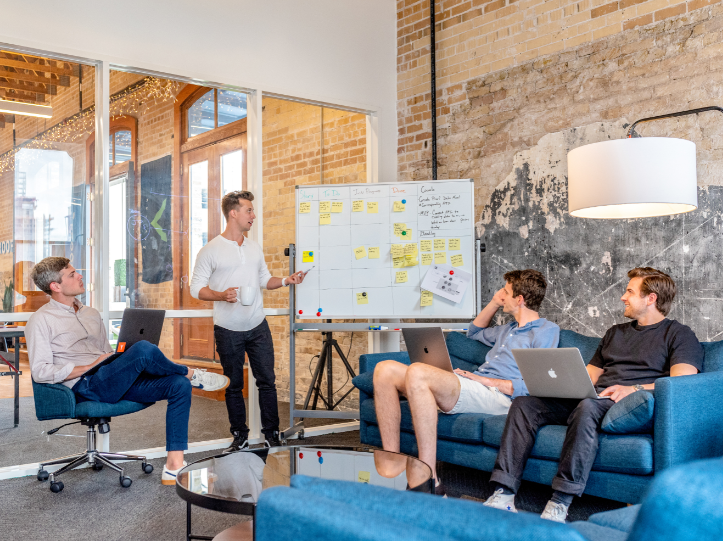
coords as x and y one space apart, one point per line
635 177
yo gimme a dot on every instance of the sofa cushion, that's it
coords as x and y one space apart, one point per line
586 344
631 454
463 427
620 519
713 356
470 354
364 382
634 414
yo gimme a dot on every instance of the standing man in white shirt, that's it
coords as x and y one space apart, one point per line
227 263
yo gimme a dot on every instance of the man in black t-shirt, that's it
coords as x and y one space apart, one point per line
630 358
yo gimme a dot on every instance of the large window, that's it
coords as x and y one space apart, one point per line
45 208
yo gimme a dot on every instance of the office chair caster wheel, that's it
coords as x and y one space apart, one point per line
126 482
148 468
56 486
97 466
43 475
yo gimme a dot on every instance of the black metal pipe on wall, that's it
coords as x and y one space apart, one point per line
433 100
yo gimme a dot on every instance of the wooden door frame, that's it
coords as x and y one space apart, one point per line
182 143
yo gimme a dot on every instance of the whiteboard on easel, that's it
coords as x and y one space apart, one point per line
371 245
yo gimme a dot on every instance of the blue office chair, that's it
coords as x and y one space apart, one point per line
56 401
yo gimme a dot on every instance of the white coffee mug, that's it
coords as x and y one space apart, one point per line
248 295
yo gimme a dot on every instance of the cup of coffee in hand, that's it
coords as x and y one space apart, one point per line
248 295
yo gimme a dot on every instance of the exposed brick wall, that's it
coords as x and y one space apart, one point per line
293 154
477 38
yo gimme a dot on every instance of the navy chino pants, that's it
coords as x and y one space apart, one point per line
144 374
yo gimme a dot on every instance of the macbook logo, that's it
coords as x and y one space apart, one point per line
425 350
552 373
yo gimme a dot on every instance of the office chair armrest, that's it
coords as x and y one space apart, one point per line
53 401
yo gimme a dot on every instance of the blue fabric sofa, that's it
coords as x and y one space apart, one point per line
683 504
688 424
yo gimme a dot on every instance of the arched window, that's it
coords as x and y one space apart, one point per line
213 109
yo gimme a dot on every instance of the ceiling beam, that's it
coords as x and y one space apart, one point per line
15 95
73 71
29 87
61 80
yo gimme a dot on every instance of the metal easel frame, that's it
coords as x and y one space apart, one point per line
294 327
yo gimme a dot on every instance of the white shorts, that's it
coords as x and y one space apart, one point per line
477 398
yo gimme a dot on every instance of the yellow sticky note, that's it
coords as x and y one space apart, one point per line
307 257
324 219
398 228
372 207
360 252
362 298
337 206
374 252
398 262
397 250
456 260
439 244
426 298
324 206
398 206
440 258
426 245
357 206
410 248
304 208
427 259
401 277
363 477
454 244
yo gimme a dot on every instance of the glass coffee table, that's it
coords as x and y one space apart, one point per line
232 483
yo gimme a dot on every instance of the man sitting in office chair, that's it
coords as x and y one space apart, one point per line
490 389
66 340
630 358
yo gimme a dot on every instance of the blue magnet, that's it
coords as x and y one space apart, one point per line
404 201
321 460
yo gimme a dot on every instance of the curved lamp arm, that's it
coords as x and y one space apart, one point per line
633 133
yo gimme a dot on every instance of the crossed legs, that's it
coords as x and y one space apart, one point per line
427 389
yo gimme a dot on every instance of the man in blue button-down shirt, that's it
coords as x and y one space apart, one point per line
489 389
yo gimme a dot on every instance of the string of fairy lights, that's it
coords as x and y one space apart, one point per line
133 101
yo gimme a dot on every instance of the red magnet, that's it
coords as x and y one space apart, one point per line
318 453
301 311
301 455
451 272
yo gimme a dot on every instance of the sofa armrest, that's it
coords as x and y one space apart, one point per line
53 401
688 419
368 361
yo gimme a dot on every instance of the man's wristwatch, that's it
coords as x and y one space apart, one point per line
638 387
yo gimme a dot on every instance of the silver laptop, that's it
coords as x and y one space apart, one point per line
426 345
555 373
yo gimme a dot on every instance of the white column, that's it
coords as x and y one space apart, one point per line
254 165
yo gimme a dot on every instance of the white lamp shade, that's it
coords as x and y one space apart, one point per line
632 178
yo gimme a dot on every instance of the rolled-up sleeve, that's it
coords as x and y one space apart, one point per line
264 274
487 335
202 271
40 354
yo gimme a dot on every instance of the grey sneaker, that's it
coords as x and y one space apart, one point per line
556 512
500 500
208 381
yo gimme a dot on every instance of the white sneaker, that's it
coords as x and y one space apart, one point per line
208 381
169 476
556 512
500 500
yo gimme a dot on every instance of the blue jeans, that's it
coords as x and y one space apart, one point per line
144 374
232 347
